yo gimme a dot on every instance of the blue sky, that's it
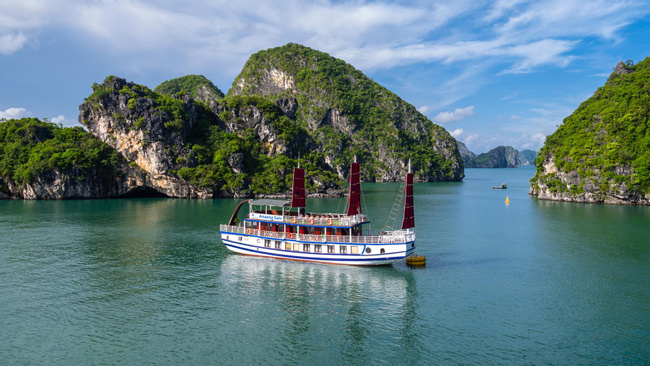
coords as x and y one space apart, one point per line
492 73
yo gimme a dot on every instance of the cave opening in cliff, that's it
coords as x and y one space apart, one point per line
143 192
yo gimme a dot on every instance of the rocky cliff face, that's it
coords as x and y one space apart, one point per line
465 154
556 185
153 136
75 184
600 153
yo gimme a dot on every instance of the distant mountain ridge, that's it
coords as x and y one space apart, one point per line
499 157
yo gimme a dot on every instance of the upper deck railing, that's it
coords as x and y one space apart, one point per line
321 219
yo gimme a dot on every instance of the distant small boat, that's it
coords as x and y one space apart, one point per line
503 186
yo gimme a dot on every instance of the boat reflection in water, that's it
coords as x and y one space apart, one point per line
305 312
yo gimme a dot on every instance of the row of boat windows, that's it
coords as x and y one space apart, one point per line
318 248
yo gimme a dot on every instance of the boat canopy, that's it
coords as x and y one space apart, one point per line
270 202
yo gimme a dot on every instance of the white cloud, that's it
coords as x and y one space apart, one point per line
457 132
538 140
510 96
59 119
64 121
457 115
11 42
544 52
14 113
515 117
424 109
602 75
499 9
471 138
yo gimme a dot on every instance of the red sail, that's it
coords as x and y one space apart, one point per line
409 217
354 200
298 196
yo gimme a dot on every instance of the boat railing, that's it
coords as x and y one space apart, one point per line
386 238
326 219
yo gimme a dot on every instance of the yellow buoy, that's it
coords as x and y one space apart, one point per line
507 199
416 260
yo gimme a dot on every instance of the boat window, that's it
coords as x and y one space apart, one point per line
267 243
368 250
318 248
278 244
343 249
305 247
382 251
296 247
240 238
354 249
287 246
330 249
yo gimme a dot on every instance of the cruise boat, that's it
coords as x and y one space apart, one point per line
284 229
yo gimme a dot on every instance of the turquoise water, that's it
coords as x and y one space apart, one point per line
147 281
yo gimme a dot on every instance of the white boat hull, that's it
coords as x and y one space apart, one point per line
367 254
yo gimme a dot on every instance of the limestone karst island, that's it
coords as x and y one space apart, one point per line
601 152
293 106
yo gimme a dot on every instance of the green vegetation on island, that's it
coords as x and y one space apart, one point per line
605 144
30 148
190 85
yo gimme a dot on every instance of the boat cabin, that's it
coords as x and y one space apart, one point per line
268 217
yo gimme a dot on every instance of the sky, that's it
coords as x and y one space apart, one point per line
504 72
